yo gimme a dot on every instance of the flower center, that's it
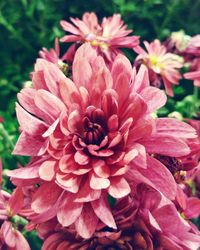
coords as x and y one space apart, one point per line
94 127
156 63
94 133
97 41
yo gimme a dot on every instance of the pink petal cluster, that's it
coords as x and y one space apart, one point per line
10 205
107 38
144 221
53 55
88 139
163 66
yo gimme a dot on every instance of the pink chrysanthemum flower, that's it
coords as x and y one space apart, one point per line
91 137
144 222
107 38
163 67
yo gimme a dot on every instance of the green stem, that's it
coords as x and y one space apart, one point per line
196 93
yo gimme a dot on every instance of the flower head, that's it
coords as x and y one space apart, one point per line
89 139
163 66
107 38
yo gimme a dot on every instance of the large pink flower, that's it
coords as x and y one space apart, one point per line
91 137
107 38
163 66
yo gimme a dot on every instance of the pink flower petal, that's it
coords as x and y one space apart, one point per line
141 129
98 183
166 145
82 65
161 177
25 173
102 210
51 128
118 169
20 241
45 197
113 123
68 180
26 98
29 145
141 159
141 80
87 194
173 127
154 97
69 27
121 65
16 201
68 212
49 103
87 222
101 169
7 233
119 187
81 158
47 170
29 123
69 92
193 208
170 221
130 155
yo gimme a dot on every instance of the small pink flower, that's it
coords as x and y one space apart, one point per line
10 205
53 55
163 66
107 38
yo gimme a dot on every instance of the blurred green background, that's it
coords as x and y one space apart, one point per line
28 25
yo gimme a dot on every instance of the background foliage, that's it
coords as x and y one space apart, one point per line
28 25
